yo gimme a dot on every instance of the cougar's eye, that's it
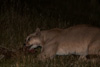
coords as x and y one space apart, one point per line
29 39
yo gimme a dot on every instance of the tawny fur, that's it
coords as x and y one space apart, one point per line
79 40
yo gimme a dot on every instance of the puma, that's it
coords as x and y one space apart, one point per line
80 40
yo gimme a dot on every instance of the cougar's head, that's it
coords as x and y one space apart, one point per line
33 40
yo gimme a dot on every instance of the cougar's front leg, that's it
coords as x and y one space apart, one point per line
49 51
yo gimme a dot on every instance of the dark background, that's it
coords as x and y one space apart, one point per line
72 11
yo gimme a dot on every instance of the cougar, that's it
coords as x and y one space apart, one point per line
80 40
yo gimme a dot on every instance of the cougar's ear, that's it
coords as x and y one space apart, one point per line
38 31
